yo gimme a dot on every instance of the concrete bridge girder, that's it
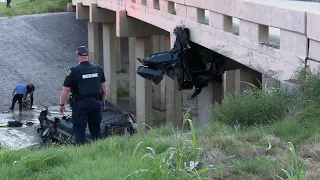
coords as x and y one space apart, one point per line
131 27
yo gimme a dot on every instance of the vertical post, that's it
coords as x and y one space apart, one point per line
132 74
158 45
229 82
93 42
118 54
246 76
206 99
109 58
173 99
143 86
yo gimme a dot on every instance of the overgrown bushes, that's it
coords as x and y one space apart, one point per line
253 108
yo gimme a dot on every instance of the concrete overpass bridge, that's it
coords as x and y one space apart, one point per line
240 30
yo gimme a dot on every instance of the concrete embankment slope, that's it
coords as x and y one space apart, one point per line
38 49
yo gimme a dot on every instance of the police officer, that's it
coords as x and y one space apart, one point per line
85 81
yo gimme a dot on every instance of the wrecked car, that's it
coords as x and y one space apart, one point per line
114 122
187 62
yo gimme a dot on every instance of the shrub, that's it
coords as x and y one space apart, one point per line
311 91
253 108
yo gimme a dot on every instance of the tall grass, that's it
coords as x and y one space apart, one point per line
164 153
20 7
253 108
295 170
258 151
181 162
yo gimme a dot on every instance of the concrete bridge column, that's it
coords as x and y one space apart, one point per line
229 83
173 99
143 87
93 42
118 55
107 18
208 97
159 44
132 74
242 79
109 58
245 78
141 31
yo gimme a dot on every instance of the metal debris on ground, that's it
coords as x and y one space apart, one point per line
53 128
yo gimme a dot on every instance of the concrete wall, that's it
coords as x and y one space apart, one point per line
39 49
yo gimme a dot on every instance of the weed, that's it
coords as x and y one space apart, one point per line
122 90
296 169
174 163
253 108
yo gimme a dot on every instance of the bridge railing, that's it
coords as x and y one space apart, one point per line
313 33
255 20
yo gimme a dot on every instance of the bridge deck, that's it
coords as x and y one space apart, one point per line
288 4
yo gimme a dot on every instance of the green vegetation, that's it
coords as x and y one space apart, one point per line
122 89
21 7
237 144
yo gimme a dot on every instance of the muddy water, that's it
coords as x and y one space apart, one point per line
19 137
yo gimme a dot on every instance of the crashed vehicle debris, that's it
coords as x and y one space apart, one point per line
114 122
192 65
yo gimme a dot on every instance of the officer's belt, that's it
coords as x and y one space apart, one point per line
87 98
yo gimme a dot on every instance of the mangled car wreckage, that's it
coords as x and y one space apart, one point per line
187 62
114 122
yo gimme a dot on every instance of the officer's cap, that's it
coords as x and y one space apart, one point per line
82 51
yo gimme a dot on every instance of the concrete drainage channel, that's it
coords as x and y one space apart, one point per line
19 137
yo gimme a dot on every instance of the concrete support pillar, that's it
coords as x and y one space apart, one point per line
242 79
82 12
124 50
143 87
229 83
159 44
93 42
245 78
118 55
109 58
71 8
173 99
207 98
132 74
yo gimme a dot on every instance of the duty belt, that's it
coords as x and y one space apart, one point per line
87 98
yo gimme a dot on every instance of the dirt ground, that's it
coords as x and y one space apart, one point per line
311 154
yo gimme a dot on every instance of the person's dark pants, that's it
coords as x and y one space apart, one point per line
8 3
84 112
31 98
17 97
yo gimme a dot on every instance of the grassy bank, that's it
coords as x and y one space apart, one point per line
248 139
21 7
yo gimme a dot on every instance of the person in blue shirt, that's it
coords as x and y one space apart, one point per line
20 90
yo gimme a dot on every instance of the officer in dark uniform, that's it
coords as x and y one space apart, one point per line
85 81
